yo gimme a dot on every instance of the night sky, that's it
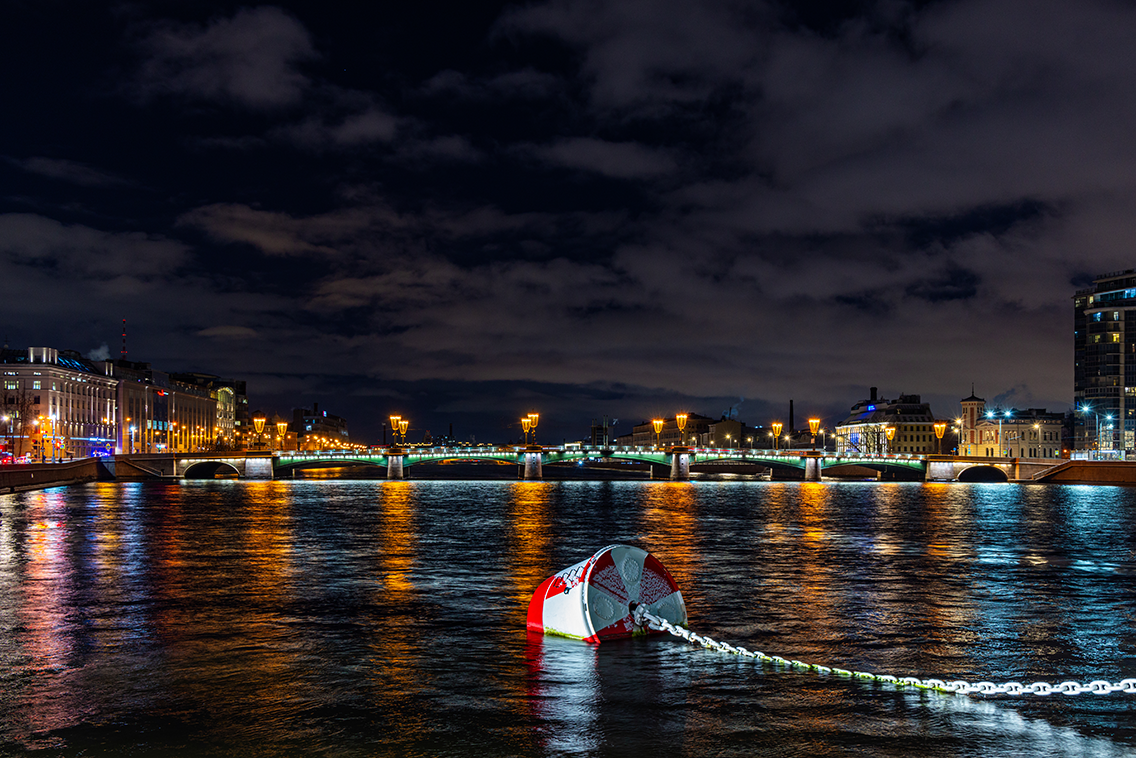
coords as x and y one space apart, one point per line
465 212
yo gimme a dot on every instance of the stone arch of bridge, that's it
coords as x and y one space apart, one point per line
328 463
426 460
982 473
776 463
210 469
913 473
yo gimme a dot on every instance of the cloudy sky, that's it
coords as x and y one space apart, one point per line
465 212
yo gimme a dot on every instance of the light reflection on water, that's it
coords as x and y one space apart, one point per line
369 618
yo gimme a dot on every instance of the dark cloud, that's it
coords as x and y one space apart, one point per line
953 284
619 160
249 59
69 171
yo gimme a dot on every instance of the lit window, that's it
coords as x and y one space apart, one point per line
36 385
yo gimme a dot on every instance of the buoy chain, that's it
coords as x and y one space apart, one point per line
960 687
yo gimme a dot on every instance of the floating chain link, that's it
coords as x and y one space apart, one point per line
1099 687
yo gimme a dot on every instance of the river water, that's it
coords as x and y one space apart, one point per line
373 618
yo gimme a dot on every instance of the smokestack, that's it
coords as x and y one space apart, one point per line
791 427
873 398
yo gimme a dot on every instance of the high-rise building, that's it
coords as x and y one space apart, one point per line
1104 376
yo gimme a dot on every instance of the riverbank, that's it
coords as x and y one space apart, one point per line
38 476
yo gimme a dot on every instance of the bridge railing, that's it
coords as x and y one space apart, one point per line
598 451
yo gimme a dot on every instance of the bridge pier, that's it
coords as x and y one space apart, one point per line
680 465
939 470
394 464
812 461
258 468
532 465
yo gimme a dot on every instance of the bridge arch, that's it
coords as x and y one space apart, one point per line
983 473
210 469
318 463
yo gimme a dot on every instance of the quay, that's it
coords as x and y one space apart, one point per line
672 463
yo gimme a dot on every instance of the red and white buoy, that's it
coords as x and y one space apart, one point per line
595 600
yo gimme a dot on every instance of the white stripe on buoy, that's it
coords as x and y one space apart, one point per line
594 599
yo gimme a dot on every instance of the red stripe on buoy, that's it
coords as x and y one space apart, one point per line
535 622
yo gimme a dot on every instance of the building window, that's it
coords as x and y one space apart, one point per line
36 385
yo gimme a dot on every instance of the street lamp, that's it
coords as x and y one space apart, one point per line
1005 414
526 422
728 444
1037 435
533 419
258 422
403 425
680 420
776 426
282 433
814 425
658 425
940 428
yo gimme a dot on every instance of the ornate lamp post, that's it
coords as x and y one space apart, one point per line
258 422
526 423
403 425
533 419
814 425
940 428
680 420
658 426
394 428
282 433
776 426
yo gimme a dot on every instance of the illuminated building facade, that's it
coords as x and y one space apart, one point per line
1104 376
695 431
316 429
865 431
157 414
232 424
56 404
1009 433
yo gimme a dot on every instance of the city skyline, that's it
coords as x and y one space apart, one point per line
462 214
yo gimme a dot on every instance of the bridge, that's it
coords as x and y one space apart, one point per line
674 462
